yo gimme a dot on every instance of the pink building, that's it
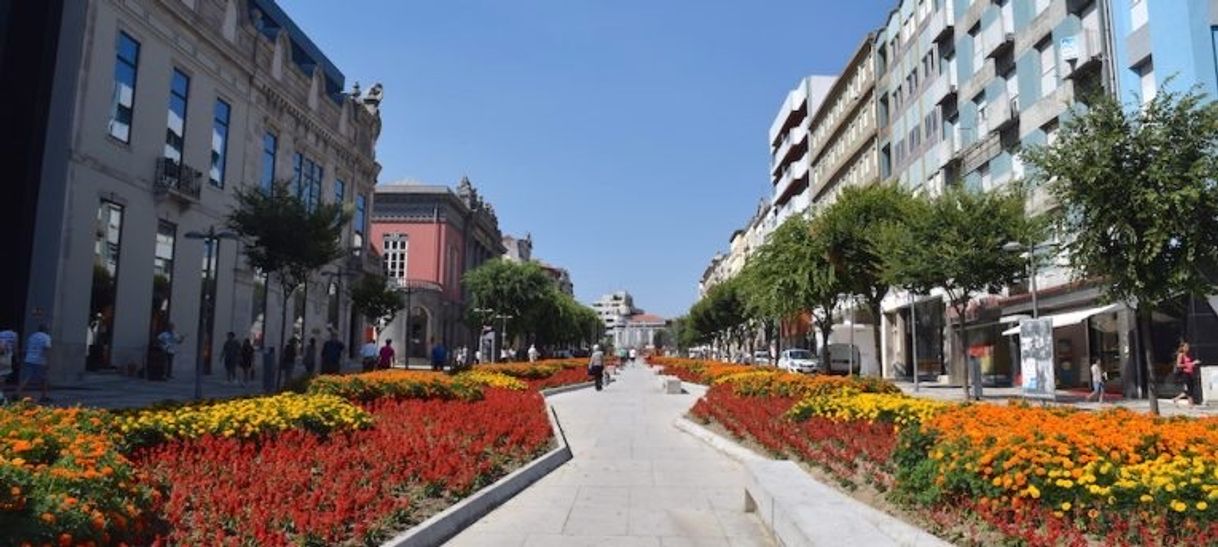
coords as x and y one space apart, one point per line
428 236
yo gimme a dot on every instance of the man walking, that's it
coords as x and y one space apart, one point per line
35 365
596 366
439 355
332 355
169 341
387 355
533 353
368 355
231 355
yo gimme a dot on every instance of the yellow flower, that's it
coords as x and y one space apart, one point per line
1146 498
1066 506
1178 506
1201 506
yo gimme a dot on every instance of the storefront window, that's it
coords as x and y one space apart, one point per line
162 276
106 250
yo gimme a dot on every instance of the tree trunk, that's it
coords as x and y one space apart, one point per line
968 384
1148 372
283 332
874 308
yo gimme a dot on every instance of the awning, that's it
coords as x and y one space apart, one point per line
1070 317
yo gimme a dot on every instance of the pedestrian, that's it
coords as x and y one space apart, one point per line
596 366
387 354
439 355
368 355
1098 376
310 357
9 362
1186 368
231 354
332 355
247 361
34 367
533 353
288 362
169 341
478 356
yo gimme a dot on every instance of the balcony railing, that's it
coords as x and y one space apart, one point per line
999 113
940 25
998 38
943 90
177 179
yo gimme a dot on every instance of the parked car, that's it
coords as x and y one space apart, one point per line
798 360
761 358
840 359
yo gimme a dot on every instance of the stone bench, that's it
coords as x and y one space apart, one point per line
671 385
800 510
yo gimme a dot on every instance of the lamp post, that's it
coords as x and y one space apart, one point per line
211 245
1031 253
913 337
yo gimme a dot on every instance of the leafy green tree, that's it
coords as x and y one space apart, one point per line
791 273
376 300
848 227
1136 191
955 242
287 238
520 290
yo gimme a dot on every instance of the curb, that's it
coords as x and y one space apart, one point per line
727 446
446 524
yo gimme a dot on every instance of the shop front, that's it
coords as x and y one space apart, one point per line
1079 337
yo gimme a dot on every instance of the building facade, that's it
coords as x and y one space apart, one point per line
789 139
176 106
518 249
641 331
842 145
428 237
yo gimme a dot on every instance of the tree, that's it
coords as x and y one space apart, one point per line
955 242
373 297
286 237
1137 194
848 227
536 308
792 273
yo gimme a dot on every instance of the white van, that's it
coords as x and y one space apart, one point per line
840 359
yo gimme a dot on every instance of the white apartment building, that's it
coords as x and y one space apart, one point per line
790 153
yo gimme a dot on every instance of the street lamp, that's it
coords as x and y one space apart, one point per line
913 338
1029 252
211 243
503 318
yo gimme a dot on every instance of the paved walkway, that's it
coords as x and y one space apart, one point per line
932 390
635 480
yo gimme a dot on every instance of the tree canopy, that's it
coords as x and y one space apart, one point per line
535 308
376 300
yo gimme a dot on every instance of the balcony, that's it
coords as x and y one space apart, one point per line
943 90
793 141
998 38
791 180
177 180
1000 113
946 151
1079 51
940 25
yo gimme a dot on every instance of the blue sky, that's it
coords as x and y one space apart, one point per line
628 136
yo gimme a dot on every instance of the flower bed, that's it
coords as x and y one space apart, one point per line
982 474
350 461
352 488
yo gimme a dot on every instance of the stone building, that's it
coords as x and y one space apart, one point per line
428 238
175 105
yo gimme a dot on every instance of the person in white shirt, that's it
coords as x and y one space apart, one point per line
533 353
1097 381
368 355
34 366
169 341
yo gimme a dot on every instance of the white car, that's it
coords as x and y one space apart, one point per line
798 360
761 358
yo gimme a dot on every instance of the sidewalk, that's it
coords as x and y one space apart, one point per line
634 480
1002 395
111 390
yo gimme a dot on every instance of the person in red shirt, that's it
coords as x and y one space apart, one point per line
1186 374
387 354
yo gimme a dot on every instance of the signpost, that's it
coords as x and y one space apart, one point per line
1036 359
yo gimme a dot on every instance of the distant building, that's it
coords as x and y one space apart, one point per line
518 249
428 237
639 331
560 276
613 309
790 155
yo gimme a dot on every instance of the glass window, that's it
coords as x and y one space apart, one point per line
219 142
358 223
122 100
270 146
162 275
175 133
207 299
307 175
1048 68
340 191
978 47
107 246
1146 80
396 247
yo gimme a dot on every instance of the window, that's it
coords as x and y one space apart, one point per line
175 134
107 247
1138 13
986 180
396 249
358 223
122 100
340 191
162 275
1146 79
270 145
307 176
983 125
978 47
1048 67
219 142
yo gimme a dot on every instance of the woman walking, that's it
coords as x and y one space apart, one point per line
1186 375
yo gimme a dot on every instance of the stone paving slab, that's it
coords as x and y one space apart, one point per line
635 480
